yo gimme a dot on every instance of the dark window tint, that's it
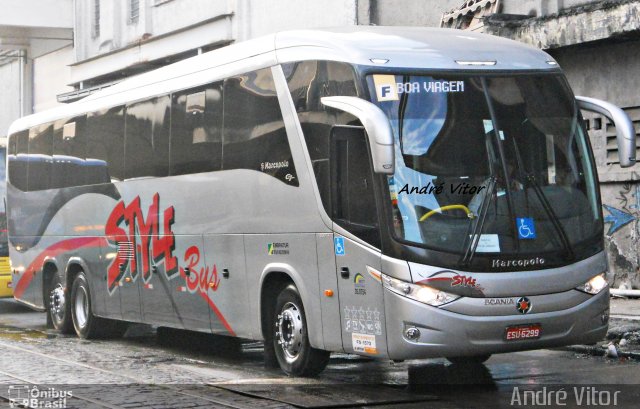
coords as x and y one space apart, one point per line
147 140
254 133
17 158
40 156
308 82
105 143
354 205
69 154
196 130
3 164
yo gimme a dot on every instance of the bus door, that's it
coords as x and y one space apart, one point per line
354 209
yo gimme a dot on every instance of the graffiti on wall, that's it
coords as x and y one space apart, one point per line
627 211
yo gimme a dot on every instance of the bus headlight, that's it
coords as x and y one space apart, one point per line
594 286
419 292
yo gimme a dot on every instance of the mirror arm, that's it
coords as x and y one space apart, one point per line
377 126
625 132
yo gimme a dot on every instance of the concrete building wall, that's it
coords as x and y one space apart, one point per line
539 7
155 18
167 16
50 77
257 18
9 95
410 12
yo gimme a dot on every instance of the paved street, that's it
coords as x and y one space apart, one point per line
147 370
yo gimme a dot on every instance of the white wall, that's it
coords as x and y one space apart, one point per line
50 78
413 12
260 17
9 95
156 17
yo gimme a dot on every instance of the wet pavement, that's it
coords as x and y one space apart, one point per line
178 369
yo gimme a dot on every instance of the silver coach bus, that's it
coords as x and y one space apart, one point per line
390 192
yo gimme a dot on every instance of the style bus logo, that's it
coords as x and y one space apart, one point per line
150 236
146 241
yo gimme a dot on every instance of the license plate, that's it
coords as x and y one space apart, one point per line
530 331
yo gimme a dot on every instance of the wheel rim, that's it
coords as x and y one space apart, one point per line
57 302
81 307
290 328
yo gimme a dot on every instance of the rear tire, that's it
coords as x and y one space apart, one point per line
58 305
294 353
469 360
87 325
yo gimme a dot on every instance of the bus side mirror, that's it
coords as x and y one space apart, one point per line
376 125
626 134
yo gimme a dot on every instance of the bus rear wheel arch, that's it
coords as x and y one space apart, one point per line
290 340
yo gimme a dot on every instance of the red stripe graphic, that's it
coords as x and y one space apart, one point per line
435 279
52 251
87 242
218 313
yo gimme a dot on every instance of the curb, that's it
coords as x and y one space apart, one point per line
599 351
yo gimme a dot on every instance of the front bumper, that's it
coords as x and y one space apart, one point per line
448 334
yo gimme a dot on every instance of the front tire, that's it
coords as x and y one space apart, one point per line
58 306
293 351
87 325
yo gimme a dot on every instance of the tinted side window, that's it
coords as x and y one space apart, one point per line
147 138
18 150
308 82
105 145
196 130
254 133
40 156
69 154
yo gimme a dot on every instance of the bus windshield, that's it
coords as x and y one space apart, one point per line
488 164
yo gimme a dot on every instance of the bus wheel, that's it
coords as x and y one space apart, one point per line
291 341
469 360
59 306
86 324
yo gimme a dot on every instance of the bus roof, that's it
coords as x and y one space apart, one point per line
381 47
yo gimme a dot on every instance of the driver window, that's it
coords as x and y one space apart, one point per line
353 201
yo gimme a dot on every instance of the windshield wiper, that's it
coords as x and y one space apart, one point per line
475 230
503 161
474 234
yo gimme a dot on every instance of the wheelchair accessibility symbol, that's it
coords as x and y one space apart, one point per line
526 228
339 245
